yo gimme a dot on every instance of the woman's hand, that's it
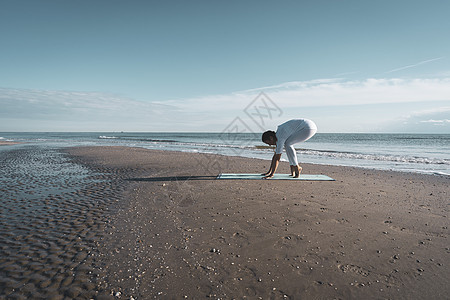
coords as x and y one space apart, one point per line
273 166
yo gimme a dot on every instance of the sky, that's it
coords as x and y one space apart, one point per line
147 66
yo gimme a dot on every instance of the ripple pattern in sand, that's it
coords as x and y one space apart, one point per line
52 213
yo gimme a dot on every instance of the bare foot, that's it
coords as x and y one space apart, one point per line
292 171
298 170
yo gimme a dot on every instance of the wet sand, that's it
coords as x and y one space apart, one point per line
179 233
52 214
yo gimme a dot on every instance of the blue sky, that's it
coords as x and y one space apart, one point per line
352 66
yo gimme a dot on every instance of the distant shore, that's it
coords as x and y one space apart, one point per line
178 232
6 143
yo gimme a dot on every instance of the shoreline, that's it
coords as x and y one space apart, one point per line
418 153
421 172
179 232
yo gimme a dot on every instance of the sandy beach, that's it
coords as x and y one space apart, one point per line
179 233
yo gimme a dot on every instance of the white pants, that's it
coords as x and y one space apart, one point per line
302 135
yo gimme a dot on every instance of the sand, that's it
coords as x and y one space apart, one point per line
179 233
52 215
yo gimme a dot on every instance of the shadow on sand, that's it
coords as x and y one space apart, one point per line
173 178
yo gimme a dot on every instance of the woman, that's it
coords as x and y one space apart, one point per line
288 134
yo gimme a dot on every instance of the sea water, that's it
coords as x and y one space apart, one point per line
422 153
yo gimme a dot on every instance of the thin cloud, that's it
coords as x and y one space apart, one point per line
345 74
436 121
23 110
338 92
414 65
79 111
432 111
289 86
437 115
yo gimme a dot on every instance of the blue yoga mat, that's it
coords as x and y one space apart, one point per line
275 177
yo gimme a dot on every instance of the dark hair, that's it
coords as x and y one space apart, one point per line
266 135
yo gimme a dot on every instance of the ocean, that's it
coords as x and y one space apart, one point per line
419 153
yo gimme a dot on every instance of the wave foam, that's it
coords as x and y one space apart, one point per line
374 157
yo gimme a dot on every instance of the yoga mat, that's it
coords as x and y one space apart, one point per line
275 177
